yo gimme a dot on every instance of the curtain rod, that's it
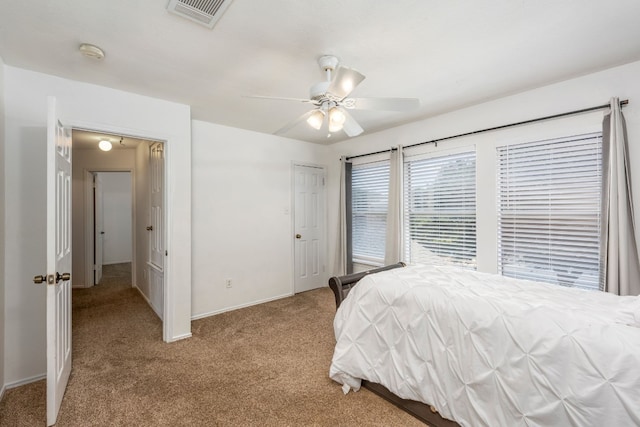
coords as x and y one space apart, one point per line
539 119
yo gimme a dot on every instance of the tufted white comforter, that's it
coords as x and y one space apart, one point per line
487 350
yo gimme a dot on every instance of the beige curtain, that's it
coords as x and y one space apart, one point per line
341 252
393 241
619 252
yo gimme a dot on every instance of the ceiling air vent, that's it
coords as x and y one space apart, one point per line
205 12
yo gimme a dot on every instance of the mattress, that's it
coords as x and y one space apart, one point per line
487 350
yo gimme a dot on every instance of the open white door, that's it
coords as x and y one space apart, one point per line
309 226
58 278
98 228
156 228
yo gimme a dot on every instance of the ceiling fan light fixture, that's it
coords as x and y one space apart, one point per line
104 145
316 119
336 116
334 127
331 100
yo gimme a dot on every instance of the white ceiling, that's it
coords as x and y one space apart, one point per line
449 54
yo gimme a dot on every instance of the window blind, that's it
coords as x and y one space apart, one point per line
440 210
549 210
369 202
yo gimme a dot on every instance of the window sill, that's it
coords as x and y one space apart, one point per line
369 263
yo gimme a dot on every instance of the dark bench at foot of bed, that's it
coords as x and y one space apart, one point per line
341 286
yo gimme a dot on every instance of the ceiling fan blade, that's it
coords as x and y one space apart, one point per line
344 81
350 126
386 104
294 123
280 98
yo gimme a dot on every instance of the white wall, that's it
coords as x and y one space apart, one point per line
90 160
242 215
2 227
91 107
586 91
117 195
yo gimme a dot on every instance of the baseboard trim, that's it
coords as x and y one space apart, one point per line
237 307
117 262
2 392
180 337
23 382
172 339
148 301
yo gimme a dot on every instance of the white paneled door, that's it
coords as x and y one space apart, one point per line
156 229
58 277
98 228
309 228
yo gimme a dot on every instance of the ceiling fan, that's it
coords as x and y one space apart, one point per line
331 101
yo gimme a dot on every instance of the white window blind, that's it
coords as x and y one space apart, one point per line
549 210
369 202
440 210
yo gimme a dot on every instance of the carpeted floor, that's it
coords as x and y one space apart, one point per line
262 365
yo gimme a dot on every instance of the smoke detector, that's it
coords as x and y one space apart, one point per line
91 51
204 12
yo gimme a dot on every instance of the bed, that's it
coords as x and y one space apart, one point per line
487 350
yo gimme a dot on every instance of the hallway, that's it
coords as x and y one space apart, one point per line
115 285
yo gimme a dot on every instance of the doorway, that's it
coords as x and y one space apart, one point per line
118 212
309 227
112 221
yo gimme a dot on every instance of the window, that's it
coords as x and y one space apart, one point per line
440 210
369 201
549 210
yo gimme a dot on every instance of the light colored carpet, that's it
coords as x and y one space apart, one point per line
262 365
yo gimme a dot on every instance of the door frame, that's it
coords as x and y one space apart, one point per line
324 214
168 295
87 175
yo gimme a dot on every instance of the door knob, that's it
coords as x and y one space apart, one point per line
298 236
150 228
63 276
43 278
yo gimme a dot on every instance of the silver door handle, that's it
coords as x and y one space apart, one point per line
50 279
63 276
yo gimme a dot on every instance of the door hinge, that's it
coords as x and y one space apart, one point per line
166 253
323 180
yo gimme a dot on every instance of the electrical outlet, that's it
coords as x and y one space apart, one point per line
228 283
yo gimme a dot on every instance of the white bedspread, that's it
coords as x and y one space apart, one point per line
487 350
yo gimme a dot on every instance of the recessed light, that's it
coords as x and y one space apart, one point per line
91 51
